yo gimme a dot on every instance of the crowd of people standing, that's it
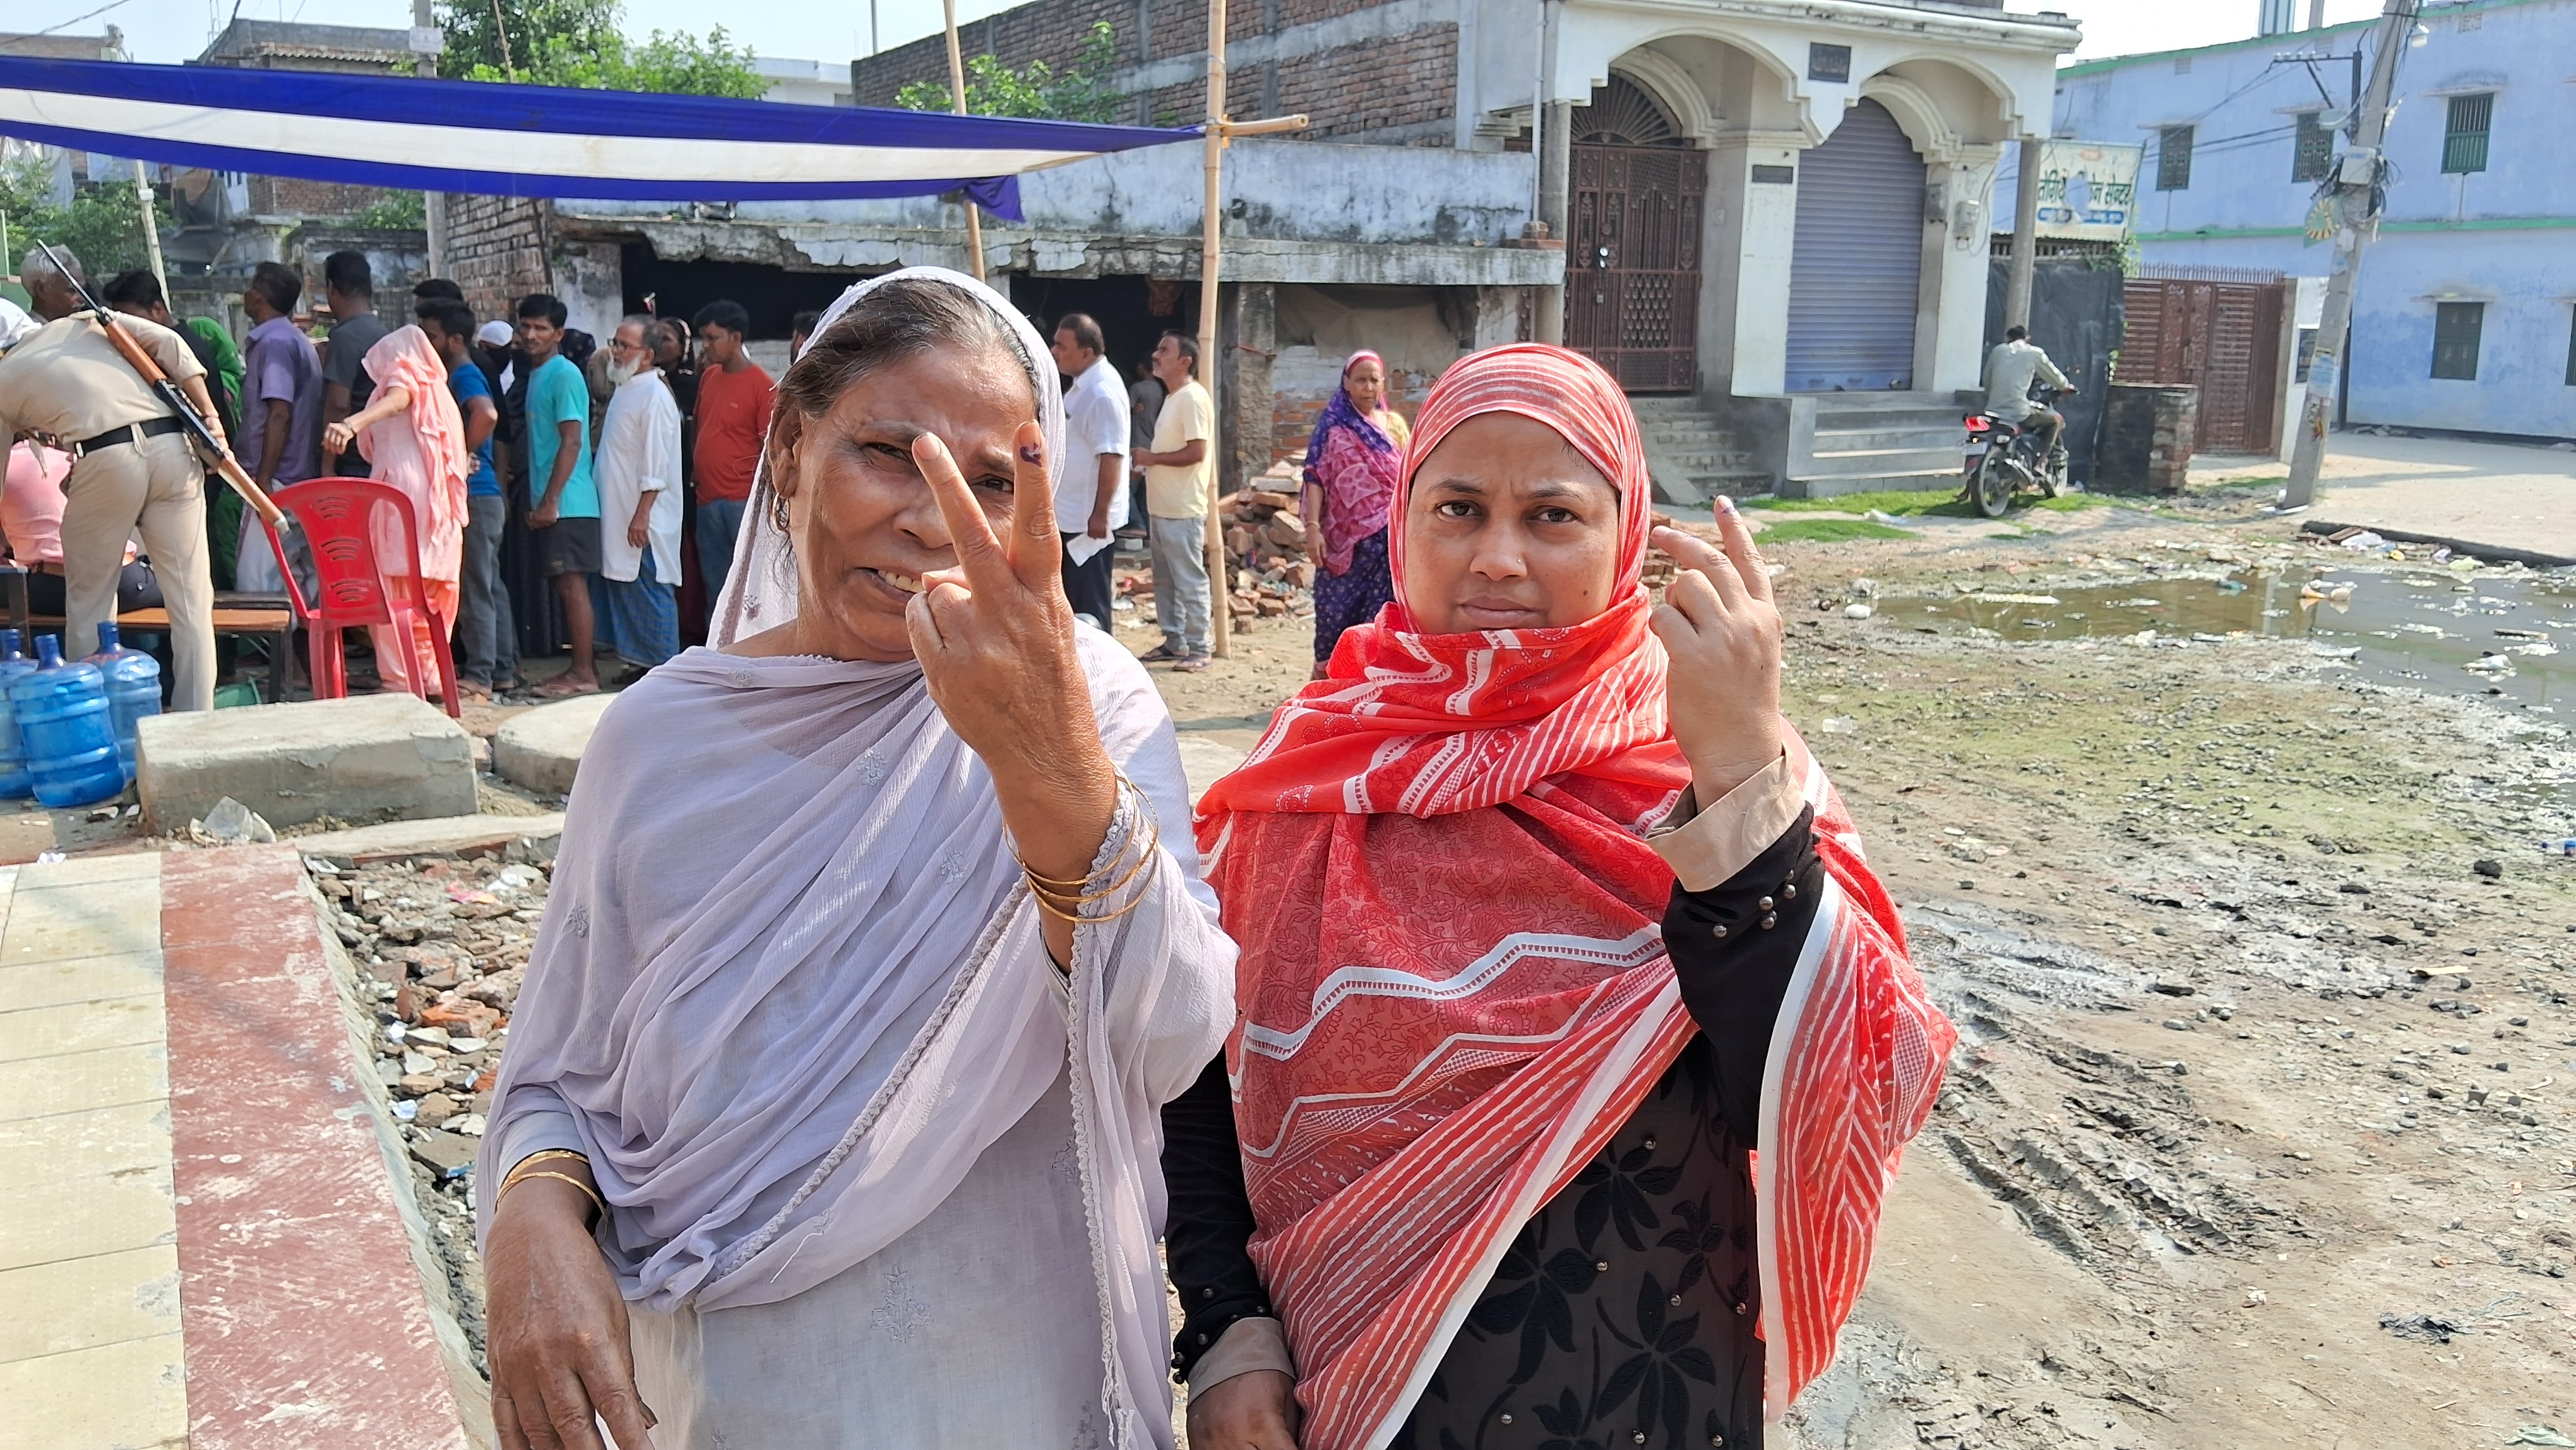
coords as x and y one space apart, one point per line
577 498
549 477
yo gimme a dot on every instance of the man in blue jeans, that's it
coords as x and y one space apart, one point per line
487 636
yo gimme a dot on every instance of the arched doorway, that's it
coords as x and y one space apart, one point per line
1632 249
1855 276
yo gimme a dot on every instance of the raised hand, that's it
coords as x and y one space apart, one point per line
1723 632
995 638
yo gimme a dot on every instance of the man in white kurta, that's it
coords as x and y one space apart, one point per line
637 470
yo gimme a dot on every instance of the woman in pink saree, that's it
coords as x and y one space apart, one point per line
414 441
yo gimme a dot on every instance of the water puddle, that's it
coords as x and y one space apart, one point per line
2507 636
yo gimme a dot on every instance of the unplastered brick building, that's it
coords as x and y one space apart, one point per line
1768 218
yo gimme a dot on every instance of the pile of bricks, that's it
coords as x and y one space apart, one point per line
1269 574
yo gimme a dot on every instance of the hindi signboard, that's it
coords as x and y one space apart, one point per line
2088 190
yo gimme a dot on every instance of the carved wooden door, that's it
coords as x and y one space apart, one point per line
1632 263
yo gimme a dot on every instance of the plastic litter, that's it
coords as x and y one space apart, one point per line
2538 1434
1857 611
2422 1326
1841 725
231 823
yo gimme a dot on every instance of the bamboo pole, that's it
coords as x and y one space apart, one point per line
957 103
151 229
1220 589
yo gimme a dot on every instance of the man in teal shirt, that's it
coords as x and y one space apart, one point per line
566 517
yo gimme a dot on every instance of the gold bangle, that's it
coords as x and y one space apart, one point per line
1072 890
1060 914
542 1155
1144 858
517 1178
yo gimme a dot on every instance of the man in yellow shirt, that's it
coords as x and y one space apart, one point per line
1180 488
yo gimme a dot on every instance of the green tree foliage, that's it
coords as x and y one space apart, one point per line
578 43
103 226
1035 91
406 210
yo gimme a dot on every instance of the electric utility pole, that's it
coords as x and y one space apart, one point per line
2354 202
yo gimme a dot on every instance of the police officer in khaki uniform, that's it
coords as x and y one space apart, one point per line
134 473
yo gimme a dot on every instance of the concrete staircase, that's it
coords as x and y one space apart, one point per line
1692 456
1863 442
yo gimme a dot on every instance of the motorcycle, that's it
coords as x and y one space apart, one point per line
2006 456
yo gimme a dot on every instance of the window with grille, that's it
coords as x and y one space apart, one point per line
2456 326
2312 155
2173 158
2464 139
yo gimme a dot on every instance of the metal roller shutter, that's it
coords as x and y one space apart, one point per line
1856 272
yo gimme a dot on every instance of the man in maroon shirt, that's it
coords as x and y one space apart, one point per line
734 398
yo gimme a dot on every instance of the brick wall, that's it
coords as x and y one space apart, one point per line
1050 30
294 196
1409 80
493 251
1350 91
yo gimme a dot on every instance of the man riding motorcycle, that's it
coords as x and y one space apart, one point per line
2011 367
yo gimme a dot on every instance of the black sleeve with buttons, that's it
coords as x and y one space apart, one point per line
1623 1312
1210 1220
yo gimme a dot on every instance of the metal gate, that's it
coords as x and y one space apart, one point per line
1856 271
2221 334
1632 256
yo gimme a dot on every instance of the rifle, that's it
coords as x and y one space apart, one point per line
210 448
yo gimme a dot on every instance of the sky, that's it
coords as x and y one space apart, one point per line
174 30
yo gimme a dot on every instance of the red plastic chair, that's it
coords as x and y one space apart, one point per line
335 514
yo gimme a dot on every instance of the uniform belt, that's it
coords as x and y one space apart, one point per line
130 433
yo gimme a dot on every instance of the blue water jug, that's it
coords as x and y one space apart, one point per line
71 746
15 783
133 681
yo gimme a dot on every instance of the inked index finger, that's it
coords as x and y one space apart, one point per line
978 552
1741 550
1037 548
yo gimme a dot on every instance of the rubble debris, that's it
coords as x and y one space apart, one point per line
441 948
1269 572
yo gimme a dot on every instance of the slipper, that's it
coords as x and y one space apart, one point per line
473 695
1192 664
1159 654
558 690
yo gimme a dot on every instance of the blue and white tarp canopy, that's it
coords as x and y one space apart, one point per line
510 140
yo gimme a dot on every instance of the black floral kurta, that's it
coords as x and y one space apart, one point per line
1623 1313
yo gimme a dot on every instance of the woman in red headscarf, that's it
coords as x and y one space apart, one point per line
1549 923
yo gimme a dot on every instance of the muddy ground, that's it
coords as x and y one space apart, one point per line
2258 1130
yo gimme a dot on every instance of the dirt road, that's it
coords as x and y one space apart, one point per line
2258 1133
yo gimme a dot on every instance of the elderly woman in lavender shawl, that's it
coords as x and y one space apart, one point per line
830 1115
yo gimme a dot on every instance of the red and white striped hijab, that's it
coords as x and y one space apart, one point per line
1453 988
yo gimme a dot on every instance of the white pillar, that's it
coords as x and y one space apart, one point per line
1750 231
1950 327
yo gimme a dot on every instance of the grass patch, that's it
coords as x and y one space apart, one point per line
1909 503
1904 503
2243 483
1828 531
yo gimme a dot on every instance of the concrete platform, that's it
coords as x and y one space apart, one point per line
392 756
203 1238
541 748
445 836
